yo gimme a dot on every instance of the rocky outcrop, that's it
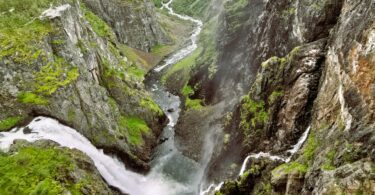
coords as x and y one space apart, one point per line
71 67
49 169
134 22
319 87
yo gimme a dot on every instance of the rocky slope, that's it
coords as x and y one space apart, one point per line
314 82
66 63
69 171
298 65
134 22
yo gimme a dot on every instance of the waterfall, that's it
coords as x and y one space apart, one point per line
290 153
111 169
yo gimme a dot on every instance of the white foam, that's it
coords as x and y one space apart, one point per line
111 169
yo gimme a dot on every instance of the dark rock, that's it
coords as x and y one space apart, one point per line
162 140
27 130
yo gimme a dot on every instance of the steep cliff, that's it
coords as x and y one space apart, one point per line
133 22
63 61
315 86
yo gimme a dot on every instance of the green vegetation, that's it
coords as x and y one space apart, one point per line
149 104
253 113
274 60
31 98
21 41
53 76
98 25
274 96
157 3
161 50
310 147
136 72
135 128
21 34
328 165
9 122
133 56
289 167
194 104
37 171
184 66
187 91
194 8
209 54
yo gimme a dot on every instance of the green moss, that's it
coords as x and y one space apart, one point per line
21 35
274 96
149 104
35 171
274 60
135 129
194 104
253 114
290 167
328 165
113 104
82 46
136 72
9 122
31 98
53 76
310 147
187 91
98 25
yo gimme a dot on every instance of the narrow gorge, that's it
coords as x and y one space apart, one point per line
187 97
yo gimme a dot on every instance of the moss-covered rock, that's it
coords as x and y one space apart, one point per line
45 168
73 68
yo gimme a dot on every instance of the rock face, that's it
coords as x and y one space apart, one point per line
134 22
71 67
325 82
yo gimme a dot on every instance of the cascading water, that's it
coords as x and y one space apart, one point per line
213 187
111 169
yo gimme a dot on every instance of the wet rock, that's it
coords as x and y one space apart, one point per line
27 130
171 110
162 140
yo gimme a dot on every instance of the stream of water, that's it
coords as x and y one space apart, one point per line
289 154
